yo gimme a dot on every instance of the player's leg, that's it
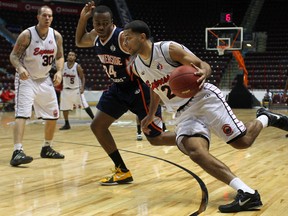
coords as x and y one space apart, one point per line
193 137
274 119
66 125
197 148
139 131
105 115
18 156
46 107
67 98
264 118
23 110
86 106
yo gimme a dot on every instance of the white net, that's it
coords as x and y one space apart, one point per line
221 50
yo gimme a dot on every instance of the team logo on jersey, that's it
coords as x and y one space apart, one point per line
112 48
227 129
142 73
156 83
50 41
159 66
39 51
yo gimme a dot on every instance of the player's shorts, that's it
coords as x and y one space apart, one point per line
116 101
207 111
70 98
40 94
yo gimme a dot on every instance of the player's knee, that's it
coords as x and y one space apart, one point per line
94 126
241 144
196 156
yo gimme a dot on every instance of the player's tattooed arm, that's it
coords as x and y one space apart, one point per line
19 48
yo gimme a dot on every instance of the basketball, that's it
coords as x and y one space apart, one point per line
183 82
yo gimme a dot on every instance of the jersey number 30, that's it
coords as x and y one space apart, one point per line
47 60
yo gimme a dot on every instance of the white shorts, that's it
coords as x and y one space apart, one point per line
71 98
207 111
40 94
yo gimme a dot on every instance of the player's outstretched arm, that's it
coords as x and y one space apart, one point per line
82 37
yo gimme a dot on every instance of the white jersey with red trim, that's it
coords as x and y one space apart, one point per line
70 76
40 54
155 73
196 116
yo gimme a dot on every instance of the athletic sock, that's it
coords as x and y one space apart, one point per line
237 184
264 120
89 112
138 129
47 143
164 126
18 146
118 161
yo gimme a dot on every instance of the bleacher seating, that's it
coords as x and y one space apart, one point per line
269 69
182 21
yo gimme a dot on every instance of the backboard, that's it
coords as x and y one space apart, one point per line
224 38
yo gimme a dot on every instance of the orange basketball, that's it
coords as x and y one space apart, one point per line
183 82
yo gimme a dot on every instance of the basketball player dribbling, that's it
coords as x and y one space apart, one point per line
33 54
196 117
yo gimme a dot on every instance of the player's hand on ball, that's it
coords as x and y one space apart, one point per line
202 73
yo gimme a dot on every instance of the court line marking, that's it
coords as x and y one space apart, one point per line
204 200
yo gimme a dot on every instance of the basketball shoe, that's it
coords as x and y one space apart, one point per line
275 119
119 177
139 137
65 127
19 157
242 202
48 152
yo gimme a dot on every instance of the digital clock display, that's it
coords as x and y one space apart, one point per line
226 17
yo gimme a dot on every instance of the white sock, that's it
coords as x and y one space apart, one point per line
47 143
264 120
237 184
18 146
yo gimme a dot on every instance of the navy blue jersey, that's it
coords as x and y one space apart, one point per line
115 60
128 92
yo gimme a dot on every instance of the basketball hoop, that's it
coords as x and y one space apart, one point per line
221 50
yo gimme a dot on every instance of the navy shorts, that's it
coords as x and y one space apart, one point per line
118 100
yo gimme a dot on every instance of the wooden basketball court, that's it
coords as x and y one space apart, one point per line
162 185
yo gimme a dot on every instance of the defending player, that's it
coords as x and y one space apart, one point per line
127 92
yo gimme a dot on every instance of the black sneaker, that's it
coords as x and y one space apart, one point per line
275 119
48 152
19 157
65 127
243 202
